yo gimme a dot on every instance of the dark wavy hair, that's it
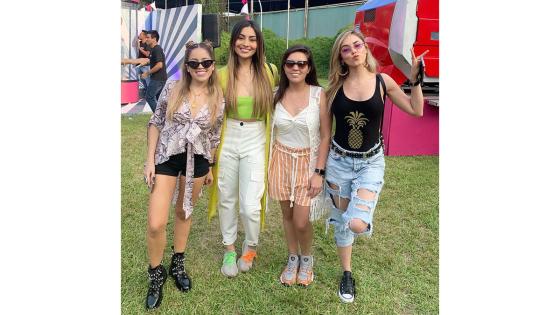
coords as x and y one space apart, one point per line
310 79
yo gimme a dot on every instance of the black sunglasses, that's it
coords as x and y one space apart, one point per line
205 63
301 63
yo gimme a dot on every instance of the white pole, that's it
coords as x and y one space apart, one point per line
260 5
288 30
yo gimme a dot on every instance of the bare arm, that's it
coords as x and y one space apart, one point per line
156 68
144 52
140 61
153 136
413 105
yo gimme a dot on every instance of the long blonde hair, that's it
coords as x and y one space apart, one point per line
261 84
339 71
181 90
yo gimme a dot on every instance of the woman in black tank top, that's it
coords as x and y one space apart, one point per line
356 166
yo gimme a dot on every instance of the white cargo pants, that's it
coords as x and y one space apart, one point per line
241 178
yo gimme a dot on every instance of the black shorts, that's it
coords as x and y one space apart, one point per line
178 163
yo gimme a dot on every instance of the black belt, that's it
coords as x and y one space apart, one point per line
360 155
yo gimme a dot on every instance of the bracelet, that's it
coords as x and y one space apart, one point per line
320 171
211 164
416 83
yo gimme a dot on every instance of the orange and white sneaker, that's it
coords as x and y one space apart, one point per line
245 262
288 276
305 274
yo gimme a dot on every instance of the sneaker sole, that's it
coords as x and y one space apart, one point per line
241 269
310 282
285 284
345 300
228 276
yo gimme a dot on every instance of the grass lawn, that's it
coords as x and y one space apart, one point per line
396 270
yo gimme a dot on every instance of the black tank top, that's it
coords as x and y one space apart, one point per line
357 122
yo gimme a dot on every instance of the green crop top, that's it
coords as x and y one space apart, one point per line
244 108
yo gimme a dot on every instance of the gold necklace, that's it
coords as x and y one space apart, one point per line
194 103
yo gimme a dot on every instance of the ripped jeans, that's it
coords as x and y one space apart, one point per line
344 177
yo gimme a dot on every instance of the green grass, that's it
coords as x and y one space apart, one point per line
396 271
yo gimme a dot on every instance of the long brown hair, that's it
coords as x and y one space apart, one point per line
182 88
310 78
261 83
338 71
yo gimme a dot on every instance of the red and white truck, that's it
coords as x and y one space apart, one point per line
391 28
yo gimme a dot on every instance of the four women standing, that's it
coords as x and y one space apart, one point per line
186 137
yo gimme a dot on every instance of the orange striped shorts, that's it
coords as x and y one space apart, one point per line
288 175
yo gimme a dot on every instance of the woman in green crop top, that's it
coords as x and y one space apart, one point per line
241 159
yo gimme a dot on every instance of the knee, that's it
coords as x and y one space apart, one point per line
249 213
301 226
358 226
155 228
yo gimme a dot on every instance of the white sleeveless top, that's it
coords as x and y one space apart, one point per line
291 130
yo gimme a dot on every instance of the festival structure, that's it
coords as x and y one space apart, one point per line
391 28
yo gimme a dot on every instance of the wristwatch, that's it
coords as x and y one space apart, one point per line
320 171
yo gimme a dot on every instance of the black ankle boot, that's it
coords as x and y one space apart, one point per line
157 277
178 273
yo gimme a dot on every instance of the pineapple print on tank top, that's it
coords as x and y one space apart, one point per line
356 120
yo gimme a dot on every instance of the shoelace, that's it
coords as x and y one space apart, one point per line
229 258
347 285
305 268
292 266
249 256
156 280
179 265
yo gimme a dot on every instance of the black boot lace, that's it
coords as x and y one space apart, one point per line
156 279
178 268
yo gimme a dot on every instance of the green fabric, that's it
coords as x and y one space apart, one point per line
213 198
229 258
244 108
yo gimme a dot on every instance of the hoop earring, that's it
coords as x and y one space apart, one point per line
343 67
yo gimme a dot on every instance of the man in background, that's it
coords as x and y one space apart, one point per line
157 72
144 51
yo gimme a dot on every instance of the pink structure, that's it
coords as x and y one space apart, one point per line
407 135
129 91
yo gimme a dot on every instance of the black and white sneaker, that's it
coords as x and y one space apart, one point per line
346 290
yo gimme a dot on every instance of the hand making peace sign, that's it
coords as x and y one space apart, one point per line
416 64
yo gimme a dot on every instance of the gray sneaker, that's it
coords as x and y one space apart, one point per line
288 276
229 268
245 262
305 274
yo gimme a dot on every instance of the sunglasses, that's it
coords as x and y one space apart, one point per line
205 63
346 50
301 63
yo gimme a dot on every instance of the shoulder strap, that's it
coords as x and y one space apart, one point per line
382 83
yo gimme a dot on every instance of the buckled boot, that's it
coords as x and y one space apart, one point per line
178 273
157 277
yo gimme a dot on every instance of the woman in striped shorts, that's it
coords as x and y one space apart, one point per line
300 139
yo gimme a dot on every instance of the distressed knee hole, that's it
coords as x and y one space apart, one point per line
366 194
358 226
